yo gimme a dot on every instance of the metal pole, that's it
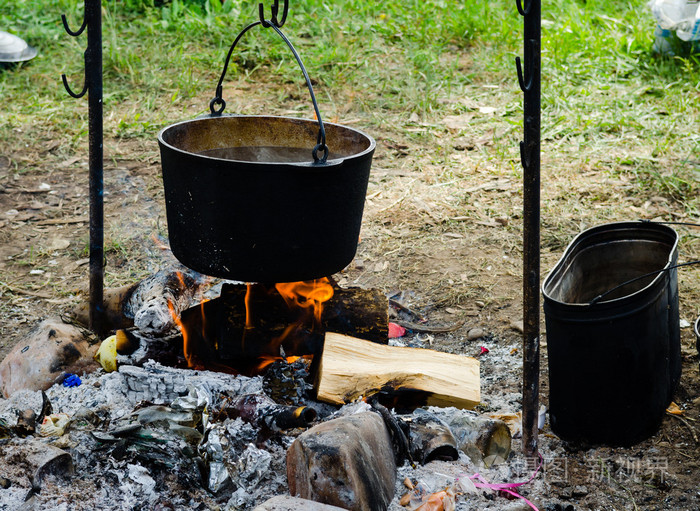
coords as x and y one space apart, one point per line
93 61
93 86
530 83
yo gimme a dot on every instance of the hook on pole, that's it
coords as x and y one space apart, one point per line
526 85
70 91
274 11
75 33
524 11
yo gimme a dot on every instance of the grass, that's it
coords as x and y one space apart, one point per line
610 106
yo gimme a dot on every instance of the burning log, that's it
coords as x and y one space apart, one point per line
350 368
248 327
148 305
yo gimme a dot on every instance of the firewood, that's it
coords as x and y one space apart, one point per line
148 305
350 368
115 301
217 331
362 313
481 437
158 297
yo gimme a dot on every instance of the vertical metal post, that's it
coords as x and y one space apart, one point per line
93 86
93 61
530 83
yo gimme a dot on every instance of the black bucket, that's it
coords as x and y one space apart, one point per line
613 364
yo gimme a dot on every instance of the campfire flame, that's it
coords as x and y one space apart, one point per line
304 299
266 361
309 296
191 362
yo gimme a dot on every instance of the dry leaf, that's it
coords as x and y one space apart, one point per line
674 409
457 122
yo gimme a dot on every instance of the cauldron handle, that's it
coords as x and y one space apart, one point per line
218 99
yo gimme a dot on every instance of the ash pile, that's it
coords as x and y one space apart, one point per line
359 425
167 438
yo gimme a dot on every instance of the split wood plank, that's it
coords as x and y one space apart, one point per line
351 367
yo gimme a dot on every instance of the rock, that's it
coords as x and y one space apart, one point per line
287 503
347 462
475 333
579 491
566 493
49 351
517 326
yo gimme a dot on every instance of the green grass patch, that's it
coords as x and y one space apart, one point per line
602 84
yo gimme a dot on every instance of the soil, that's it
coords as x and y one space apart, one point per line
442 234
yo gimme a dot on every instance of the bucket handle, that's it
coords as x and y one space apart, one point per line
640 277
218 99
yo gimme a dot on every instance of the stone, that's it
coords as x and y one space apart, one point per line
50 350
579 491
288 503
346 462
475 333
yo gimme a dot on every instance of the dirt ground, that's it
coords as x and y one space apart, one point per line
442 233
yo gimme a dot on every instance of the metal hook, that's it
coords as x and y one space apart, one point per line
525 87
68 89
274 10
77 32
526 10
74 33
521 79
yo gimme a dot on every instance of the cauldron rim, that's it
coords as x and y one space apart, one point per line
331 162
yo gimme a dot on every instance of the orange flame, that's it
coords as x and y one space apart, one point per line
183 330
306 298
308 295
248 315
266 361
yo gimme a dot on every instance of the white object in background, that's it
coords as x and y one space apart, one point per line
14 49
681 16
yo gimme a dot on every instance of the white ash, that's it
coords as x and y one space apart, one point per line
116 393
262 473
138 488
162 385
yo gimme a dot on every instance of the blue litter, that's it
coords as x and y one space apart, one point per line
71 380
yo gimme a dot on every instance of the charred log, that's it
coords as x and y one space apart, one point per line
430 438
226 332
148 305
260 410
